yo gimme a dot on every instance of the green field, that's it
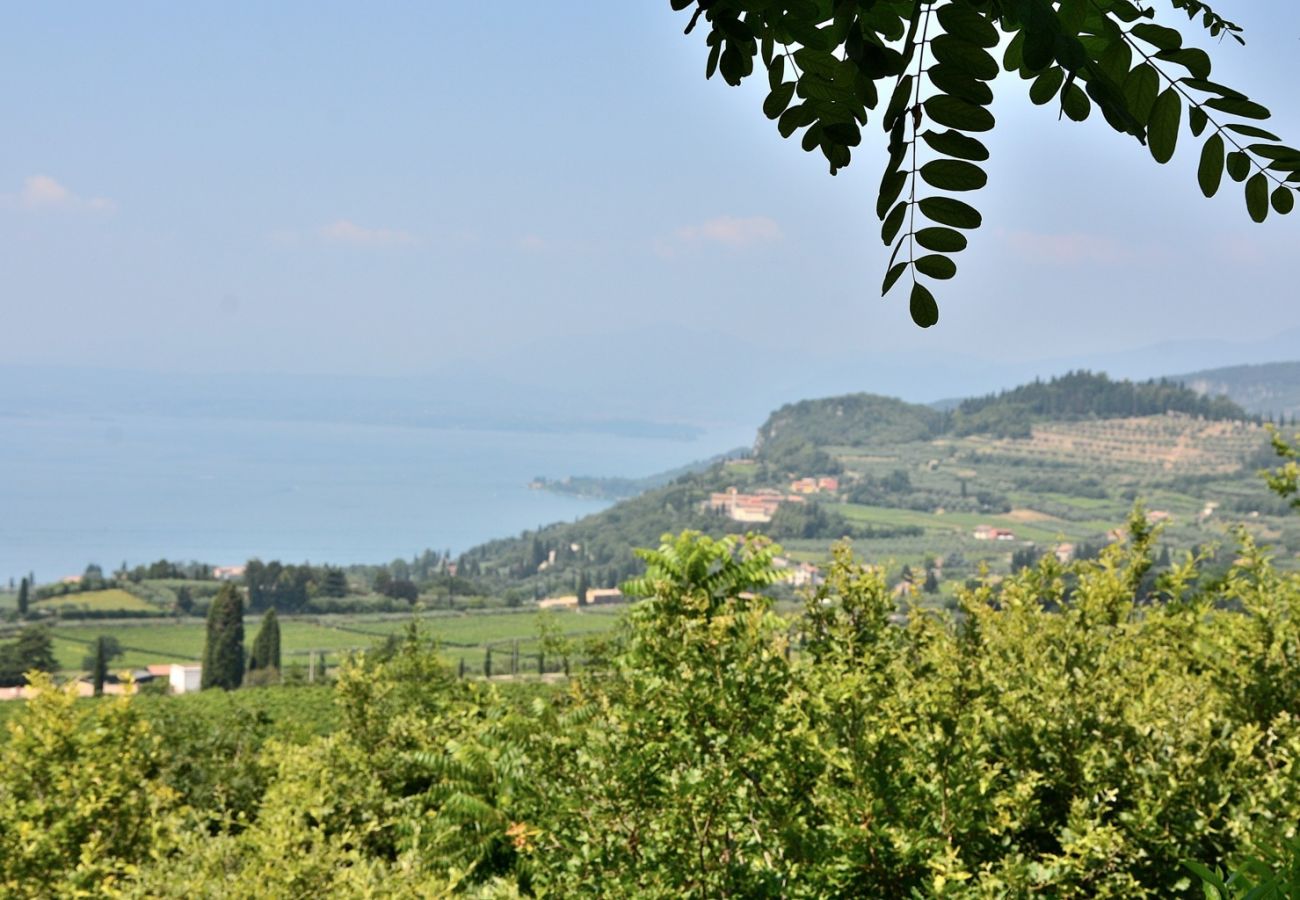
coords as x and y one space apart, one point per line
464 635
111 600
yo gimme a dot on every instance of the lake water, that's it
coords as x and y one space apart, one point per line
75 490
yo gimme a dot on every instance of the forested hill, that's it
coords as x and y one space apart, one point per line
1084 395
859 420
853 420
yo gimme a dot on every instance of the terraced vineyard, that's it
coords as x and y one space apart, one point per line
1173 443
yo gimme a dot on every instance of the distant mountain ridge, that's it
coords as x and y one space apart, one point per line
1264 389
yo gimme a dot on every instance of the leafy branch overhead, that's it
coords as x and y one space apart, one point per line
927 68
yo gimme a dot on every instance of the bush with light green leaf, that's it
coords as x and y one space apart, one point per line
1069 731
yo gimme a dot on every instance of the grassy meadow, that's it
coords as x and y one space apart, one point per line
110 600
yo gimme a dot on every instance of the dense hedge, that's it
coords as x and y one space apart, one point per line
1053 737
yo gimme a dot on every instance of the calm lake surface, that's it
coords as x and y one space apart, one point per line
75 490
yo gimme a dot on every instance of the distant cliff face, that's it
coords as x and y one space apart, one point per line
1266 389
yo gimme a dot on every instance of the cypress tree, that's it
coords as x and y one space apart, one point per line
266 646
99 671
582 587
23 590
223 651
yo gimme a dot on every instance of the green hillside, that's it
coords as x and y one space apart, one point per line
854 420
1083 395
1052 463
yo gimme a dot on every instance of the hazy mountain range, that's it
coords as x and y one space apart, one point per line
668 383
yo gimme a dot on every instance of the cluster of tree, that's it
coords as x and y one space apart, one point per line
225 663
1083 395
290 588
897 490
1087 486
438 584
419 568
166 569
852 420
719 749
781 459
31 650
92 579
806 521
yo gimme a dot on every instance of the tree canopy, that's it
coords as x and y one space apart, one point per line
223 649
927 69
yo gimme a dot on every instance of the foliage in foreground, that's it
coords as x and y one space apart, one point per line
1053 737
927 71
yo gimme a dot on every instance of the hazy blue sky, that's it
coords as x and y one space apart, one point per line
394 188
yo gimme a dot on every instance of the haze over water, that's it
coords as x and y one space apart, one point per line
81 489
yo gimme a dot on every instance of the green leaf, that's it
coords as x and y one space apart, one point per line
776 71
1275 152
1192 59
893 222
892 276
1256 198
961 20
1247 109
950 211
1115 62
1212 879
958 114
1046 85
778 100
941 240
1040 30
1197 120
1252 131
1141 89
1162 130
954 143
898 101
792 120
1238 165
1075 103
890 187
953 175
924 309
1210 87
1013 58
936 266
1283 200
846 134
1158 36
1210 172
954 81
953 51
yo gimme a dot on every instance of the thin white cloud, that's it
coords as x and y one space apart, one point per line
344 231
1069 249
44 193
733 231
